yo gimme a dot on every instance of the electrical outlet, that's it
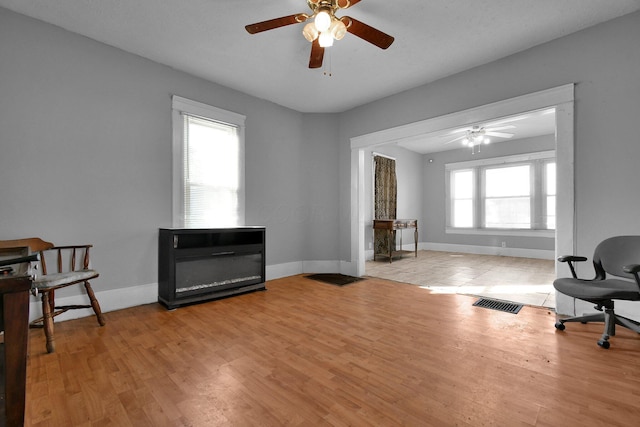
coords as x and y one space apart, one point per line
370 245
504 244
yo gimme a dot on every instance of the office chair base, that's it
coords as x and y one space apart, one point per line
610 320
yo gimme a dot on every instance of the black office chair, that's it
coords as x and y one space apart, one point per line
618 256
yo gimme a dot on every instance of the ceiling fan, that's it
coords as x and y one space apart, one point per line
325 27
476 135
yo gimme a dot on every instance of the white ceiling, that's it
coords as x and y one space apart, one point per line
433 39
529 125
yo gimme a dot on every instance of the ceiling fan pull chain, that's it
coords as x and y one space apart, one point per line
327 68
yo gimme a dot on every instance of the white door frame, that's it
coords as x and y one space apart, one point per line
561 97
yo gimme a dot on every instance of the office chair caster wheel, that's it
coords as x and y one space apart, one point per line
604 344
560 326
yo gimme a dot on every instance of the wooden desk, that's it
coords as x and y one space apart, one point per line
14 321
392 225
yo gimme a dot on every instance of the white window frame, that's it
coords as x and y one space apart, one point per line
478 166
182 106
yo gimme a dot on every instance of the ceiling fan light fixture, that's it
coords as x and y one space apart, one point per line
322 27
322 20
338 29
310 32
325 39
487 140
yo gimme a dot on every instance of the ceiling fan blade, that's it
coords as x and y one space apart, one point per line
367 33
271 24
456 139
345 4
491 129
456 131
507 120
499 134
317 54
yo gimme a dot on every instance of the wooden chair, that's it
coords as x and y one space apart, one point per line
67 274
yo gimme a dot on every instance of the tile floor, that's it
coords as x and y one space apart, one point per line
521 280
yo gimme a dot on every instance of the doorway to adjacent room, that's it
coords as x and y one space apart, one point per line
561 99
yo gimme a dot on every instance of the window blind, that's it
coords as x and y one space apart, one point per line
211 173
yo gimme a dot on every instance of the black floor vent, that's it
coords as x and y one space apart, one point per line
509 307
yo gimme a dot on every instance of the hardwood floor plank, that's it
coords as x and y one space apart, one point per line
375 352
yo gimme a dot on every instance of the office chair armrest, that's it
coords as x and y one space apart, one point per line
633 269
570 259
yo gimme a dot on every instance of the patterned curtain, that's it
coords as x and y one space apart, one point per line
385 200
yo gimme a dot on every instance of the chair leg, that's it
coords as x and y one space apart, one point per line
595 317
94 304
610 319
610 322
47 323
609 327
628 323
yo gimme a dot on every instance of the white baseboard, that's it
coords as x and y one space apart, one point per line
284 270
110 300
117 299
321 266
348 268
302 267
368 254
480 250
489 250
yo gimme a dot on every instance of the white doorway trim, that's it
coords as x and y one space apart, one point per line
561 97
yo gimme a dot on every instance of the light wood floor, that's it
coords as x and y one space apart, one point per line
522 280
305 353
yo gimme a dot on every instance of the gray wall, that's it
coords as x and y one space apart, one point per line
603 62
319 172
434 215
85 154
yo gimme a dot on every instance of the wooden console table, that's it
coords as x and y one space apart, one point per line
392 225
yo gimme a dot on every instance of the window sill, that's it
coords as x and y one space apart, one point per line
501 232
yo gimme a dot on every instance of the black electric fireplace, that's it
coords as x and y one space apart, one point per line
196 265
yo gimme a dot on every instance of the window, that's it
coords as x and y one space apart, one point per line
507 201
506 193
462 198
208 165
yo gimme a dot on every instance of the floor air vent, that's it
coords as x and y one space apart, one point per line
509 307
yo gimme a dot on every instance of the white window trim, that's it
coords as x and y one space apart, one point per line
181 105
494 161
518 158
